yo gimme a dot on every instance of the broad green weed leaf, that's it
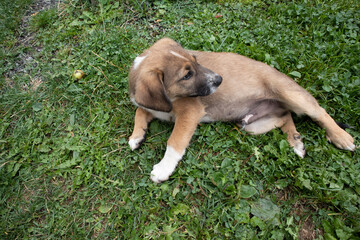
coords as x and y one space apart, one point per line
328 236
44 148
342 234
168 229
150 228
164 187
245 231
37 107
335 186
74 88
266 210
300 66
242 217
90 220
76 23
175 191
105 208
76 154
267 57
67 164
190 179
295 74
327 88
282 183
277 234
257 222
226 163
218 179
230 190
116 5
306 183
290 220
243 206
339 224
89 15
180 209
247 191
257 153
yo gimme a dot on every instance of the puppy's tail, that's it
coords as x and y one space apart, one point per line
344 125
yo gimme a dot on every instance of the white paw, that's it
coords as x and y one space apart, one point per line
299 149
135 143
163 170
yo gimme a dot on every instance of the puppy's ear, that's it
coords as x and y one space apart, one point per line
150 92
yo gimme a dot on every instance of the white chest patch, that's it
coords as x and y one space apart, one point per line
165 116
138 61
162 115
206 119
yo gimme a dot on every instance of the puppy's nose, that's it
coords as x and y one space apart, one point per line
218 80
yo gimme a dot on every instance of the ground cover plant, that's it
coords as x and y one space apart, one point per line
66 170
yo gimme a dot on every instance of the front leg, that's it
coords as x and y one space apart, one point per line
188 115
142 119
163 170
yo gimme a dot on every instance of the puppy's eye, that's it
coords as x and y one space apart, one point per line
187 76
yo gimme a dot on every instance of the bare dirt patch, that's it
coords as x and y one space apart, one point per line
304 210
307 228
26 38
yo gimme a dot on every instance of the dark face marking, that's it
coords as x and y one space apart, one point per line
208 81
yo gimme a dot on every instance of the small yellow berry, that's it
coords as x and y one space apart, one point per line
78 74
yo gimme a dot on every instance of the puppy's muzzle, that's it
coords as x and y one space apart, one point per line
214 82
217 81
209 86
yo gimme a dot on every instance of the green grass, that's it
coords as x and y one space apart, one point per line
11 12
66 170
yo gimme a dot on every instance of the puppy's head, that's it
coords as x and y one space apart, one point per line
166 72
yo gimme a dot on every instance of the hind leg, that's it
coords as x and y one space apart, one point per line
298 100
304 103
293 136
286 124
264 125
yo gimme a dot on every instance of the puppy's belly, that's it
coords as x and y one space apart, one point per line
237 111
230 111
225 113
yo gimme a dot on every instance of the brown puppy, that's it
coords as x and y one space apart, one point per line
188 87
